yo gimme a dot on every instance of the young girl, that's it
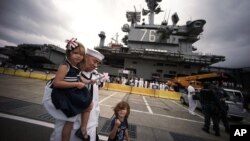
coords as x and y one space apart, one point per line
119 124
69 94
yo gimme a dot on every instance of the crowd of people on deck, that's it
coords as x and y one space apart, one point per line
141 83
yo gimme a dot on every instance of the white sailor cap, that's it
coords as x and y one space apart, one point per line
95 53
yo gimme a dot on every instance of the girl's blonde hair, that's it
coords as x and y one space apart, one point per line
81 47
121 106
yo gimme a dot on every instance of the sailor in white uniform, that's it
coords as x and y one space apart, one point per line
191 102
93 59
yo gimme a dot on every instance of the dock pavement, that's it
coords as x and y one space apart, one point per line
22 116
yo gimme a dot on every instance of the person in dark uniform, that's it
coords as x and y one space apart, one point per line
222 95
210 108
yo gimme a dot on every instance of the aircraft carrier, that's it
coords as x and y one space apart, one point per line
35 56
156 51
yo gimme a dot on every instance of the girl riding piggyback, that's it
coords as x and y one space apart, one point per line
69 93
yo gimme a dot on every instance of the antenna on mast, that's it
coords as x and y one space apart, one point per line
165 14
164 22
133 17
169 14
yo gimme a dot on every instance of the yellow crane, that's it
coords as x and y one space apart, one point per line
185 80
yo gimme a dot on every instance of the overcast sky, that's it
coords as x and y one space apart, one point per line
226 32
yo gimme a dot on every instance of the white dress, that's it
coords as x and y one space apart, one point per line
60 118
192 103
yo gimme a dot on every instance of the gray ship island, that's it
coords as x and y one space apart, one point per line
156 52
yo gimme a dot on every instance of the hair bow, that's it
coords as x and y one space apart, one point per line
71 44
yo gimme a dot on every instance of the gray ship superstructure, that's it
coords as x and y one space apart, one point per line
156 52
